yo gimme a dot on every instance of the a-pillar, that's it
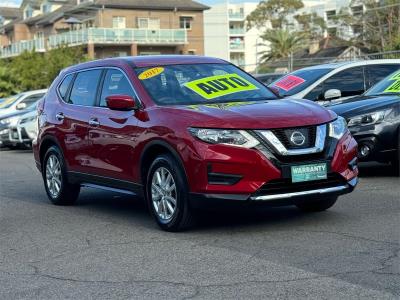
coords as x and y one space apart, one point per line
134 50
90 50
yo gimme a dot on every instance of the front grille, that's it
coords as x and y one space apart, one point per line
281 186
24 135
284 135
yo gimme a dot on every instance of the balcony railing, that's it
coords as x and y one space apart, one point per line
236 46
236 15
98 36
118 36
234 31
19 47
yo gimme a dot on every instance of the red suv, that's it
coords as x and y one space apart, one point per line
184 131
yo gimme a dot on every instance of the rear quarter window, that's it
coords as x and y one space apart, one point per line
63 87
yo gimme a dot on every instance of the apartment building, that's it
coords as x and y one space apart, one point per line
329 10
106 28
226 35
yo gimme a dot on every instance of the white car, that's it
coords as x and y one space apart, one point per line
331 81
20 101
26 129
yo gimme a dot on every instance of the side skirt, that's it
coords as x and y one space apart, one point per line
106 183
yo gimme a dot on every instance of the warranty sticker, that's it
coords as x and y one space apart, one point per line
151 73
289 82
220 85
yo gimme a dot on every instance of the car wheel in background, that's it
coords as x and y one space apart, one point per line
167 194
58 189
316 205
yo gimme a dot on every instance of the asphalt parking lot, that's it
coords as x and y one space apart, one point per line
107 246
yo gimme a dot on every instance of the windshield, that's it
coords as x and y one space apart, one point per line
8 102
298 80
390 84
191 84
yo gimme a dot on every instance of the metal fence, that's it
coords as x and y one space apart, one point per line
297 63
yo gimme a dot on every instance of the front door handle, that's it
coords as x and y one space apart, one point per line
60 116
94 122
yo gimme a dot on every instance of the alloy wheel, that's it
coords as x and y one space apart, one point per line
164 194
53 175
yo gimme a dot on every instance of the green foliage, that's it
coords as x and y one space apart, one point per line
378 24
312 25
274 11
282 43
32 70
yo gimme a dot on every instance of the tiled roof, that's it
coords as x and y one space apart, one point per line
10 12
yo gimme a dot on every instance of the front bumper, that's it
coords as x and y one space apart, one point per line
273 199
376 142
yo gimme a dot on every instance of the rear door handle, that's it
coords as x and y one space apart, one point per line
60 116
94 122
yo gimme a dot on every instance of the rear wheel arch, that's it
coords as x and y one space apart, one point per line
47 142
154 149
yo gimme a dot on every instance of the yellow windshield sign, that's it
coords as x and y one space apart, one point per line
395 86
220 85
151 73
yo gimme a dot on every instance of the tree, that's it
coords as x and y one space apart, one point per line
274 11
375 24
311 25
61 58
8 82
32 70
282 43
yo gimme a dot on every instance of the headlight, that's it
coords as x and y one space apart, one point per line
337 128
239 138
10 121
368 119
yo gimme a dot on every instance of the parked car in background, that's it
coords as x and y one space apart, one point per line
374 120
325 82
20 101
11 120
267 78
185 131
25 131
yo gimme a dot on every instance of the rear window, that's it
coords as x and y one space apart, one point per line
297 81
84 89
201 84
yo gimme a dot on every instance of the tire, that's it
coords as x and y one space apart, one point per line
67 193
166 181
316 205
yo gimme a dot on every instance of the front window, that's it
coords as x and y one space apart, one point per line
192 84
298 80
389 85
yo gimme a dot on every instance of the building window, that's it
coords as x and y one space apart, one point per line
119 22
46 7
185 22
38 35
148 23
357 10
330 15
192 52
28 12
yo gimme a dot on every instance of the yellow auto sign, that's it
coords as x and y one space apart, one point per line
395 86
220 85
151 73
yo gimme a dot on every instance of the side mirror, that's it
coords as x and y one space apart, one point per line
21 106
332 94
121 102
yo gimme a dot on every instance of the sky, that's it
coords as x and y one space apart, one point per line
207 2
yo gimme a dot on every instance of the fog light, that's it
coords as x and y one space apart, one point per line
365 150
